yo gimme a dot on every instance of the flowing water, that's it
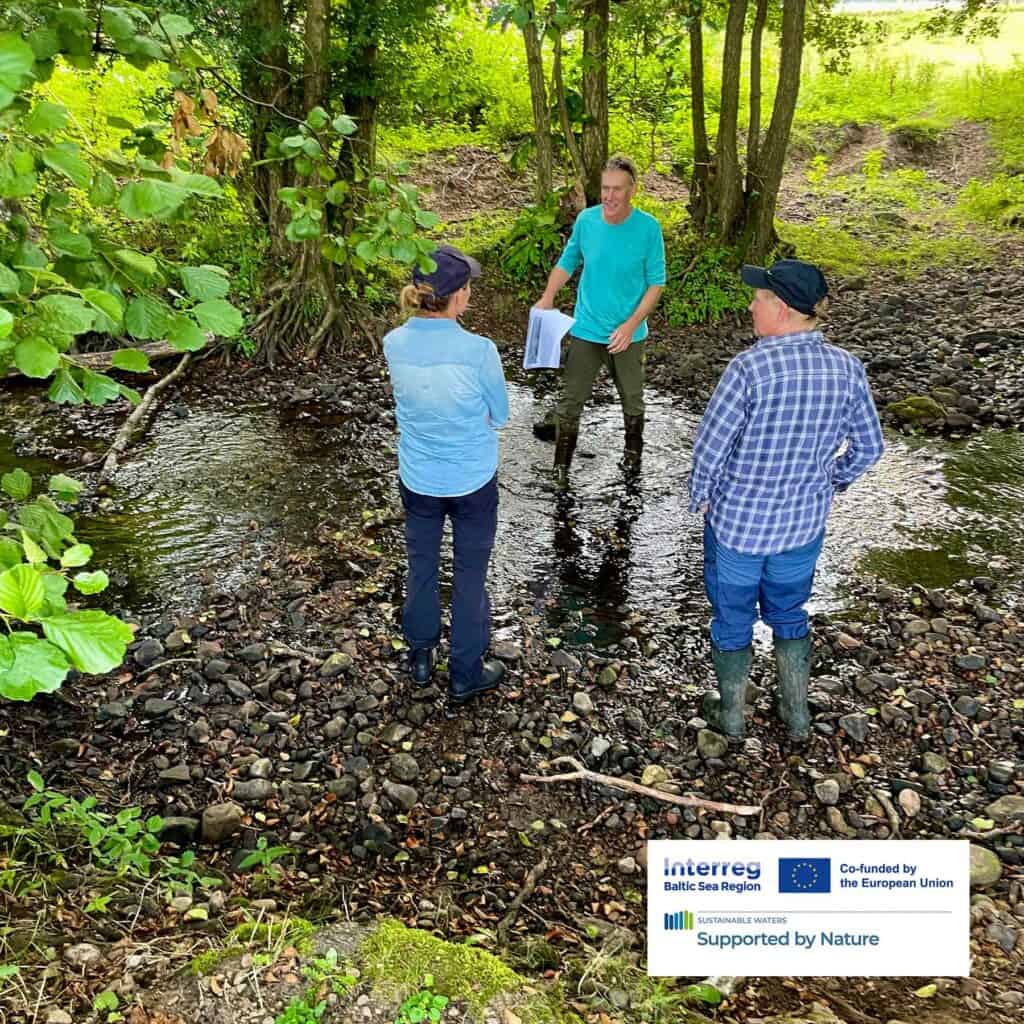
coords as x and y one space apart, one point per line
208 496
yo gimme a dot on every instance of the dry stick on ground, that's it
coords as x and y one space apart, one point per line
137 418
522 896
581 774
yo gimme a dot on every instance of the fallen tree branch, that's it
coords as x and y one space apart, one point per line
134 424
522 896
154 351
581 774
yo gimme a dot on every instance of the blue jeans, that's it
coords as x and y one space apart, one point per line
737 583
474 522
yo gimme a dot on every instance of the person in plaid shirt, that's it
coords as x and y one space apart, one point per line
790 423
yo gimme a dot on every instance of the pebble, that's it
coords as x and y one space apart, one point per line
221 822
582 703
827 791
83 956
855 726
404 767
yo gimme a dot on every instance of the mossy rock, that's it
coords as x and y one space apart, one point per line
917 409
396 959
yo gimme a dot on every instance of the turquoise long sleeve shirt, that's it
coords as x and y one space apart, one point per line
620 262
450 397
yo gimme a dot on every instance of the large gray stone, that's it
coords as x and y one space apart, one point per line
220 822
986 868
1006 809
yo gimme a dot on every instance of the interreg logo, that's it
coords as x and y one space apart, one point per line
680 921
711 876
805 874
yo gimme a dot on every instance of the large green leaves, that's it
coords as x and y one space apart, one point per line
68 313
205 282
36 358
151 198
148 318
46 118
21 592
64 159
16 61
17 484
219 316
29 665
185 335
130 359
92 640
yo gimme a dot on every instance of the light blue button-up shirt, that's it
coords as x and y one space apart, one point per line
450 397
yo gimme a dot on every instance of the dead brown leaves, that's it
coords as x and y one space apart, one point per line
224 149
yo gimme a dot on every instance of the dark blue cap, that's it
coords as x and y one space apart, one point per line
801 286
454 270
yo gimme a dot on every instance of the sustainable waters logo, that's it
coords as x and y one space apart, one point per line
680 921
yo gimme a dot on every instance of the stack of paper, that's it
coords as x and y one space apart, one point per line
544 336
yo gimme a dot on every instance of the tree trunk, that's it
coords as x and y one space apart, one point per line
728 185
699 182
754 132
768 173
266 79
571 143
595 95
317 40
541 112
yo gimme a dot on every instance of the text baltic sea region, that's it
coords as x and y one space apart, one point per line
897 875
712 876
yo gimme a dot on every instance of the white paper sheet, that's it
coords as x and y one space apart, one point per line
544 336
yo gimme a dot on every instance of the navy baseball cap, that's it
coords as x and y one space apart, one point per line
801 286
454 270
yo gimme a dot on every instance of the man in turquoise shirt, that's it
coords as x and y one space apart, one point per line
623 256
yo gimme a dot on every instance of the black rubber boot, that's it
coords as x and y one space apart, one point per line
793 664
634 448
421 664
547 428
490 679
565 448
732 669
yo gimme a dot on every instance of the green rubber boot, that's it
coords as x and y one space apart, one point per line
565 447
793 663
731 670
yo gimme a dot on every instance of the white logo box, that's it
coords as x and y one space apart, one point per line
792 908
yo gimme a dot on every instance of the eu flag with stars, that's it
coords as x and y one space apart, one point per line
805 874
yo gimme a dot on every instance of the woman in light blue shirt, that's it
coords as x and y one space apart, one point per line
450 398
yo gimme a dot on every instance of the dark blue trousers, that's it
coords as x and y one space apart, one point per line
474 522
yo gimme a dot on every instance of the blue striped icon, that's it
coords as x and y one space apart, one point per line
680 921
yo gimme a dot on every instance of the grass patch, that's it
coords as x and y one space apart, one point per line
414 140
906 254
999 202
265 940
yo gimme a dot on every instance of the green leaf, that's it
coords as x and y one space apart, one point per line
197 184
218 316
150 198
66 488
982 824
136 262
99 388
6 323
10 553
94 641
36 358
56 587
29 665
405 251
50 527
343 125
9 282
148 318
65 390
33 552
67 312
21 591
103 191
176 26
45 118
130 359
109 305
71 244
129 393
118 24
205 282
76 556
427 218
44 42
17 484
91 582
703 993
926 991
16 61
185 336
35 780
106 1001
64 160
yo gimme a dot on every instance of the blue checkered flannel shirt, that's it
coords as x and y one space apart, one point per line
791 423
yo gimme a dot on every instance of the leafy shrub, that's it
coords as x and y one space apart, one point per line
533 243
38 561
703 283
